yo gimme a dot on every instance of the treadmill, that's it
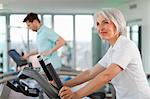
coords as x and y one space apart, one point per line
19 86
50 90
16 83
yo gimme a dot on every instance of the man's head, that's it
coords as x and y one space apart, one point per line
32 21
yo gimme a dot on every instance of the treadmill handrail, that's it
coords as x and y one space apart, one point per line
54 75
50 72
44 68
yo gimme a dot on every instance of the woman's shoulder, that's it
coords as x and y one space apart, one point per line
125 43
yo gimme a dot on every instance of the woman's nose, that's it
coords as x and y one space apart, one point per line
101 28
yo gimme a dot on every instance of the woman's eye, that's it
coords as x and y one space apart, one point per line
106 22
97 23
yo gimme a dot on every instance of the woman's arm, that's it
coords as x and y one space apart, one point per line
100 80
85 76
97 82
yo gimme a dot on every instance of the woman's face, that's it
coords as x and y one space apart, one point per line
105 28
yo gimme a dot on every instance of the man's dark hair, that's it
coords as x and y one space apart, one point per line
31 17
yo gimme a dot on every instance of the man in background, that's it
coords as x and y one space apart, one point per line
47 41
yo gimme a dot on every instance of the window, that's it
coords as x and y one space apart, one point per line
83 36
63 25
3 45
47 20
18 30
134 32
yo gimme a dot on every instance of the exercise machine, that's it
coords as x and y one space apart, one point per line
15 82
19 86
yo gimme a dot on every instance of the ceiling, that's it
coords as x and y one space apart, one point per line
58 6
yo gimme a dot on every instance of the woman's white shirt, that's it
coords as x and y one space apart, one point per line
131 83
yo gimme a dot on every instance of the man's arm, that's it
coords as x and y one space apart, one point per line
27 55
59 43
85 76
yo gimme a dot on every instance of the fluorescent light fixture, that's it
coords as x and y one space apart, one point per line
1 6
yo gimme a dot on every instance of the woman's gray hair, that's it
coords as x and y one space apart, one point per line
116 17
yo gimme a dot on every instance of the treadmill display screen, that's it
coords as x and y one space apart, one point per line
17 57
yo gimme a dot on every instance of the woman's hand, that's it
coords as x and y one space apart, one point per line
66 93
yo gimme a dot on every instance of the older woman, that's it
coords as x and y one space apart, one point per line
121 65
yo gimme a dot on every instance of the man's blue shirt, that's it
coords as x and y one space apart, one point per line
46 40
